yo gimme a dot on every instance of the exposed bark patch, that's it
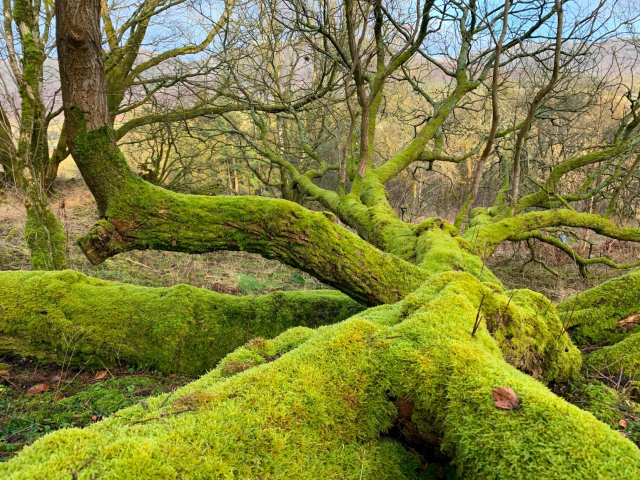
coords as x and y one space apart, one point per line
407 433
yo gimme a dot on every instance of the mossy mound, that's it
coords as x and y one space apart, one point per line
597 316
67 317
321 403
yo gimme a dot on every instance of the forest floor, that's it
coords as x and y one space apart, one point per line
36 399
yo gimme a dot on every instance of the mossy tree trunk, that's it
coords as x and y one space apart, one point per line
69 318
29 165
340 401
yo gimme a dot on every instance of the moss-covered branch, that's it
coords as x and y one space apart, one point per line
621 360
69 318
486 236
319 404
598 315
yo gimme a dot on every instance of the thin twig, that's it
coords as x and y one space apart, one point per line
177 412
154 418
74 473
507 307
166 399
478 317
484 255
362 467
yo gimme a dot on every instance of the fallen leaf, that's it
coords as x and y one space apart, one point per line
40 388
4 371
173 375
101 375
58 397
505 398
623 423
94 418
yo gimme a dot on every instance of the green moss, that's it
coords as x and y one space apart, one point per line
323 407
45 237
67 316
593 315
596 398
621 359
439 249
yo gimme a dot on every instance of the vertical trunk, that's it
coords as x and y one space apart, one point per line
84 95
43 232
235 177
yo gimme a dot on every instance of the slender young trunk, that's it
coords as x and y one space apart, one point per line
43 232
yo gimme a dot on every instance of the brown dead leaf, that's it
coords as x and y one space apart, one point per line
58 397
623 424
101 375
4 371
94 418
505 398
173 375
40 388
629 322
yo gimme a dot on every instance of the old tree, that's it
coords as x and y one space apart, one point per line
378 392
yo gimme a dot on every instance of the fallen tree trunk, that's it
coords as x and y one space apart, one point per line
341 401
71 319
605 319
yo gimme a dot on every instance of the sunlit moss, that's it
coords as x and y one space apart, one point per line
315 404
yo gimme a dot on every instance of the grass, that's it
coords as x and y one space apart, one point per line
74 398
610 400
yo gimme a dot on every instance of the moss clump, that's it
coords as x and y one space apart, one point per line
594 315
67 316
621 359
323 407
